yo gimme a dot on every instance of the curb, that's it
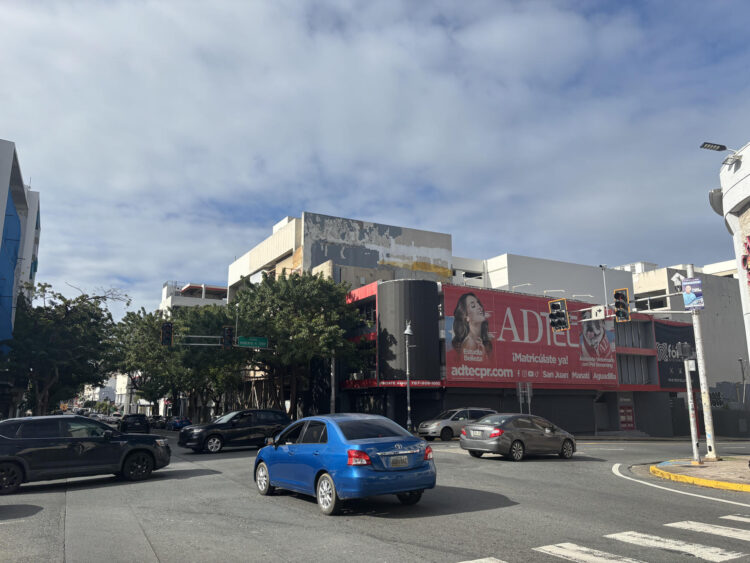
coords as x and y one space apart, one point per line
724 485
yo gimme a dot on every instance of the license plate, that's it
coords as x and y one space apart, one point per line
399 461
476 433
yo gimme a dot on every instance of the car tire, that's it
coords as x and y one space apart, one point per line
516 451
11 477
138 466
429 438
409 498
475 453
325 492
446 434
213 444
263 479
566 451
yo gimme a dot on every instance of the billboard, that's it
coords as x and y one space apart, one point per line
692 293
668 361
494 337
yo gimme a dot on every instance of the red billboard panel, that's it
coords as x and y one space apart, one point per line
496 337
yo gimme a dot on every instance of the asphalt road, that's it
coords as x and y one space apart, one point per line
205 508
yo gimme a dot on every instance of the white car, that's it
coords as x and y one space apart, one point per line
449 423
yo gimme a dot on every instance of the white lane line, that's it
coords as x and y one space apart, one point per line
724 531
737 518
616 471
704 552
580 554
484 560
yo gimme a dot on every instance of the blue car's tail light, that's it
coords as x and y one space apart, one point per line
428 452
358 457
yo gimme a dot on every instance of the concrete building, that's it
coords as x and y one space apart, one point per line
21 227
347 250
181 294
106 392
732 201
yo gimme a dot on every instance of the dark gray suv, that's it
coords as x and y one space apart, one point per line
39 448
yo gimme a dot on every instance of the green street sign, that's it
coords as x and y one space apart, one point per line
252 341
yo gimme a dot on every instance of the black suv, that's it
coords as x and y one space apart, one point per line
134 423
238 428
39 448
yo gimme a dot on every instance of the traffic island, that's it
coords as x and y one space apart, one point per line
729 474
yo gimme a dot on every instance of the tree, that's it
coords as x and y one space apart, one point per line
137 352
61 345
304 316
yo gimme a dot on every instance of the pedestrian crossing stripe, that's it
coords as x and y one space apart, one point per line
707 553
580 554
724 531
737 518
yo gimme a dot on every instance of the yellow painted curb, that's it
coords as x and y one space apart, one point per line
698 481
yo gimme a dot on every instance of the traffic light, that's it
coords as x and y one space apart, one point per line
622 305
166 334
227 337
558 314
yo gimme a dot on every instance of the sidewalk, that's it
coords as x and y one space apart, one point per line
731 473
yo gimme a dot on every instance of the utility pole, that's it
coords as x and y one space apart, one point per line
688 362
333 383
742 370
708 420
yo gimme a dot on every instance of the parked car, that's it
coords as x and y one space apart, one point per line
134 423
177 422
238 428
40 448
449 423
344 456
516 435
157 421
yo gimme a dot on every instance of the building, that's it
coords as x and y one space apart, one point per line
402 275
181 294
21 227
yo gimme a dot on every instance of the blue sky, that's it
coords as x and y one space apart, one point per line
167 138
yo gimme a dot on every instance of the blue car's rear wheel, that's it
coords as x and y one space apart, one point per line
263 480
328 499
412 497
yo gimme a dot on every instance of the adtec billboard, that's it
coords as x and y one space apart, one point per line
496 337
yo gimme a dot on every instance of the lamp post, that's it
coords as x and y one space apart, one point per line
742 371
604 282
407 334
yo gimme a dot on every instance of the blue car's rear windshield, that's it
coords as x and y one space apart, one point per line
365 429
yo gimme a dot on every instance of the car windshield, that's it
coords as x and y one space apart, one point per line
445 414
495 419
371 428
226 418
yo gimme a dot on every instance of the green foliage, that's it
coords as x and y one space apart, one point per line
61 345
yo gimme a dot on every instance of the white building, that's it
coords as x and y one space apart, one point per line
181 294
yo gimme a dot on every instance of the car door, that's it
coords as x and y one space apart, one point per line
243 429
458 421
91 452
44 449
282 471
308 455
550 441
529 433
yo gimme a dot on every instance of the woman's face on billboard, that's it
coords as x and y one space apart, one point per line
474 310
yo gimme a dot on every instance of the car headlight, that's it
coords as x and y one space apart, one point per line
161 441
196 430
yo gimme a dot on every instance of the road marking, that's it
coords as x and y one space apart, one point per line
616 471
573 552
737 518
484 560
724 531
705 552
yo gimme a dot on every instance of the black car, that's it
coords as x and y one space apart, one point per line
157 421
134 423
39 448
239 428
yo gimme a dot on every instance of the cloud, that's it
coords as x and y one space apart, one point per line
167 139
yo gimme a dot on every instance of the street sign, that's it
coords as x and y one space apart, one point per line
252 342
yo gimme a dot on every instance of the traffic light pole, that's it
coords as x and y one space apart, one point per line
708 420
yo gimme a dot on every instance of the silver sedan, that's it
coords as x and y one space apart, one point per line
516 435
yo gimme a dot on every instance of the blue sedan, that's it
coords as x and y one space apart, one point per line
346 456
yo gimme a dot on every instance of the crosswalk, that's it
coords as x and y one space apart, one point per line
705 532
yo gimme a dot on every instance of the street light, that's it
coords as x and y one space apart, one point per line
546 291
513 288
731 159
408 333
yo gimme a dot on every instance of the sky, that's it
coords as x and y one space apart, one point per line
167 138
